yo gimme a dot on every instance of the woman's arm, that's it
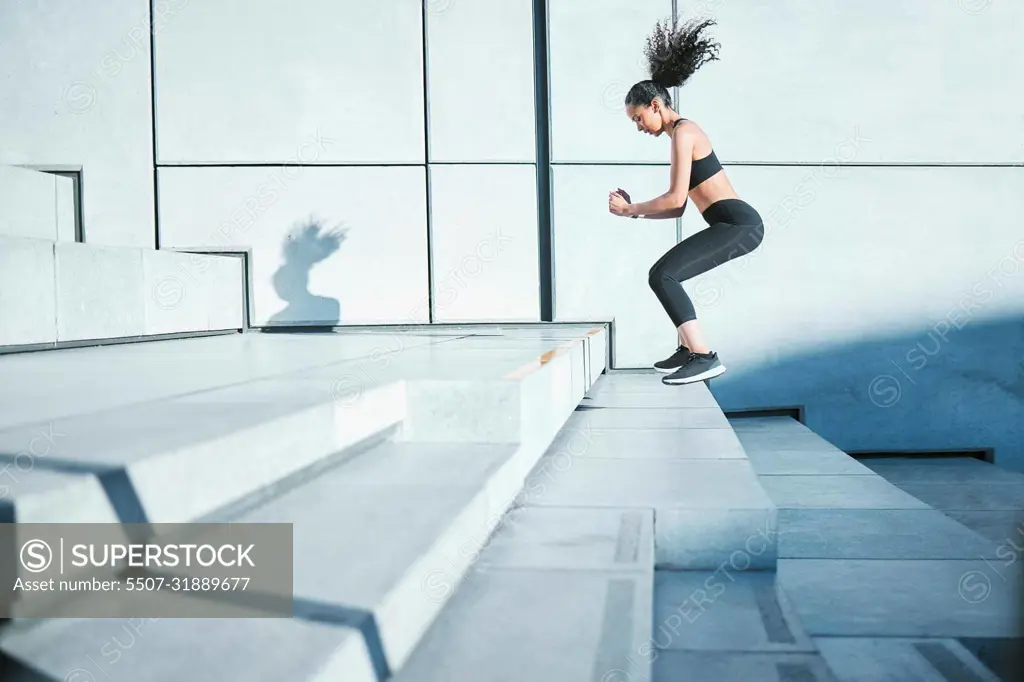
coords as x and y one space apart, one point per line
675 197
674 213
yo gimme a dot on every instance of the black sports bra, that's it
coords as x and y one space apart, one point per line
702 169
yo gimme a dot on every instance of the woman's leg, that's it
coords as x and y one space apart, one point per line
695 255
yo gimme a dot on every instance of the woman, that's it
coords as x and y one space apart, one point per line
734 227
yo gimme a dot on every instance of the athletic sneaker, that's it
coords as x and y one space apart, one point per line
697 367
677 360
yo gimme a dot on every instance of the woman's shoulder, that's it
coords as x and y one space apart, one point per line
689 127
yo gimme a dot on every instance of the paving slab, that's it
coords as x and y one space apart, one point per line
942 470
865 659
725 610
782 440
705 510
806 463
1003 527
584 441
651 418
705 666
878 534
607 393
507 625
569 538
904 598
968 497
837 492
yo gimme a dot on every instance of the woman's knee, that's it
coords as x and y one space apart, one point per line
657 275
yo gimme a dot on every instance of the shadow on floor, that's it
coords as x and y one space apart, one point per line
308 244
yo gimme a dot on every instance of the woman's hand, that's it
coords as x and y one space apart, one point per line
617 203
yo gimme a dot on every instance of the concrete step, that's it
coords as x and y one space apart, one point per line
860 557
684 462
558 594
895 660
36 205
179 459
729 625
59 292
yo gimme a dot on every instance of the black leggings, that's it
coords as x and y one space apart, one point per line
734 229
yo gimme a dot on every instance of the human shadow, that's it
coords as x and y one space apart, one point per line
307 244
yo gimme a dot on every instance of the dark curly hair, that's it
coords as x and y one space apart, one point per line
674 53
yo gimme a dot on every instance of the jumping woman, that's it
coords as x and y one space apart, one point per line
734 227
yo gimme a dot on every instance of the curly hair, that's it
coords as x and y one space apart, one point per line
674 53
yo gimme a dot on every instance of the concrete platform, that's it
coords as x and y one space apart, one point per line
705 666
894 660
725 610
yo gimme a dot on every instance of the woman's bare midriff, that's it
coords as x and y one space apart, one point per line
715 188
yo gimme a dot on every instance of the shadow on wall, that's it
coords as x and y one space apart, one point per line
941 389
306 245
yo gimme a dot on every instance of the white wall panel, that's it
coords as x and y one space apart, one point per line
77 94
100 292
187 292
27 292
484 243
376 274
602 261
925 81
856 253
288 82
28 204
481 80
171 304
596 55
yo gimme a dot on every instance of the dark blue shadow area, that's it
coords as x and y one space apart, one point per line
12 670
306 245
937 389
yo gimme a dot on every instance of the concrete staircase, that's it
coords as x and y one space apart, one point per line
484 503
393 465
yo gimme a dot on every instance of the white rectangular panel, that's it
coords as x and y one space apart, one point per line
28 204
303 82
857 253
596 55
27 292
481 80
484 243
924 81
100 292
329 245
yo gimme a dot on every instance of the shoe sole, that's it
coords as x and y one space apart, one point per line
667 370
710 374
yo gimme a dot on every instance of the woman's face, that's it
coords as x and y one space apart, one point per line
647 118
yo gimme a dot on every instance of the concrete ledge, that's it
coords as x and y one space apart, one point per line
146 457
27 291
553 626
